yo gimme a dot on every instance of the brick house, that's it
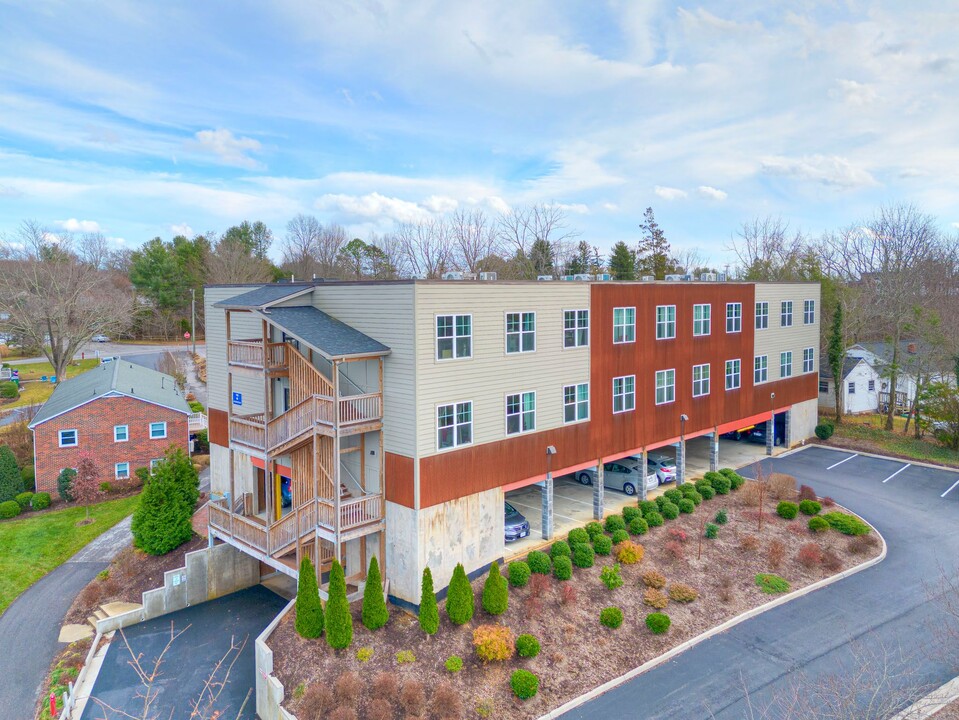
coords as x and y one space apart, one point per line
124 414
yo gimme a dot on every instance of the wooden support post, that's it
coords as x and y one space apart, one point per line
336 460
363 462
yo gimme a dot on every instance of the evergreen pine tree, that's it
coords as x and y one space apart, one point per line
460 602
161 521
375 613
495 592
184 474
11 482
653 255
339 622
309 608
622 262
429 610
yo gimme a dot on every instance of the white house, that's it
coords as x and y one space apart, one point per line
861 383
915 361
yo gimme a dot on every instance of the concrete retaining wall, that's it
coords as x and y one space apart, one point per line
209 573
269 691
805 416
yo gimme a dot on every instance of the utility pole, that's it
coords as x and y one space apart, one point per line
193 318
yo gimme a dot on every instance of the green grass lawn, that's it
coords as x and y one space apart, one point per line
869 429
34 393
32 546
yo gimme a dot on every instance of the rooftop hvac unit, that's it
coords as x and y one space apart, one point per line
582 276
721 277
487 276
420 276
675 278
569 278
687 277
649 278
605 277
453 276
708 277
544 278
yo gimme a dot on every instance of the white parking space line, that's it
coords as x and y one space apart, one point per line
842 461
954 486
572 499
538 509
907 465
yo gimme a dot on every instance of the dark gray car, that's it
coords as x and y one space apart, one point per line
517 526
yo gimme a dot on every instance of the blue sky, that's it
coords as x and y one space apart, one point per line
140 119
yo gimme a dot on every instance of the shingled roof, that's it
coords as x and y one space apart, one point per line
324 333
265 296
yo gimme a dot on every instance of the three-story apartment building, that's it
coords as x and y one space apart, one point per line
389 418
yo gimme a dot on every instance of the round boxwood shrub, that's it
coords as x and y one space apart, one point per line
693 495
658 623
638 526
41 501
686 506
654 519
712 475
583 555
603 545
594 529
721 484
24 500
818 524
9 509
809 507
577 535
518 573
670 511
674 495
611 617
620 536
706 491
736 480
527 646
562 568
539 562
846 524
648 506
454 663
524 683
787 510
9 390
660 501
614 523
630 512
560 548
824 431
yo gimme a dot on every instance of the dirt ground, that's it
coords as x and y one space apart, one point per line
578 653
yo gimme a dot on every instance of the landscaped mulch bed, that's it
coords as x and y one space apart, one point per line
578 653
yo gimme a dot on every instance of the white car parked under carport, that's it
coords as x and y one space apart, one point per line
622 474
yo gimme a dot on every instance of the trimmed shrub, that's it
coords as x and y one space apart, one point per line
712 531
653 579
527 646
807 493
41 501
712 475
629 553
660 501
736 480
539 562
594 529
518 573
674 495
404 657
678 534
614 523
693 494
824 431
638 526
65 482
460 602
309 608
560 548
748 543
658 623
630 512
670 511
809 507
339 621
9 509
818 524
678 592
9 390
611 617
524 684
610 577
654 519
648 506
162 520
496 591
721 484
686 506
862 544
583 555
454 663
831 561
562 568
703 484
429 616
364 654
775 553
24 500
721 517
846 524
706 491
619 536
656 599
375 613
809 555
782 486
603 545
577 535
787 510
493 643
771 584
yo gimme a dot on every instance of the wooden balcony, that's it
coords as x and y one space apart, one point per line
251 354
248 430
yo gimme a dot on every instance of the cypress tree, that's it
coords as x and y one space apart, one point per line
339 622
309 608
375 613
429 610
11 483
460 602
836 355
495 592
161 521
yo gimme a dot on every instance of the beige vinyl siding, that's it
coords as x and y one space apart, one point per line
776 339
243 325
490 374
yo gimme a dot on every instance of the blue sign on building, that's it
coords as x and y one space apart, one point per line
237 398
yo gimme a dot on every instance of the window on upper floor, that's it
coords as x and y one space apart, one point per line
871 386
665 386
852 387
808 312
575 402
624 325
520 413
665 322
624 393
786 313
575 328
520 332
68 438
808 360
733 374
762 315
700 380
760 369
122 470
702 319
121 433
454 425
454 337
785 364
157 430
734 317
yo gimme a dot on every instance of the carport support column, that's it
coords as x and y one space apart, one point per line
599 487
645 470
770 435
714 450
788 440
681 462
548 507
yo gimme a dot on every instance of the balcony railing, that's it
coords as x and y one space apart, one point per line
354 512
250 353
361 408
197 421
248 430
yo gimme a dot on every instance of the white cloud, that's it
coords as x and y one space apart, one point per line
182 229
712 193
230 149
574 208
955 225
854 93
669 193
826 169
497 204
440 204
74 225
610 206
373 205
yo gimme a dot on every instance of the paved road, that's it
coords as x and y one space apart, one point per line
883 610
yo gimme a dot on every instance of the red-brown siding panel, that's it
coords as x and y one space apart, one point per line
219 427
399 479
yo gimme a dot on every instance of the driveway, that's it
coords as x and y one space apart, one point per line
883 611
212 632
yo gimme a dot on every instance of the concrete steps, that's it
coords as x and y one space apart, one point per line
110 610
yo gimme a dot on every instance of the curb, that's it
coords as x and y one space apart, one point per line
878 456
932 703
732 622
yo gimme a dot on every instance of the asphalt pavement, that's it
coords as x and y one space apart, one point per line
883 613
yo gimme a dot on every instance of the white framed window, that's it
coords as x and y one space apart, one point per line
808 360
624 325
702 319
624 393
575 328
665 322
762 315
520 332
454 425
824 386
760 369
665 386
700 380
808 312
852 387
122 470
454 337
157 430
121 433
786 313
786 364
154 462
733 374
520 413
871 386
734 317
575 402
68 438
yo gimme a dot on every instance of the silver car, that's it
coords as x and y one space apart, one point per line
620 474
664 466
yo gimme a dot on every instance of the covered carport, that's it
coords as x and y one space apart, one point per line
719 448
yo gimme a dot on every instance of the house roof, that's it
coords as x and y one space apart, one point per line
848 365
324 333
265 296
119 377
909 359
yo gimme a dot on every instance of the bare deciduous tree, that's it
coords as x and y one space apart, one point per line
311 248
426 247
766 249
232 262
520 228
474 237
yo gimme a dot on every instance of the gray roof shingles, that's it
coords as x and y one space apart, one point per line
848 365
264 295
325 333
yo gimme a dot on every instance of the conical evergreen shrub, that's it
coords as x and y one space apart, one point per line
495 592
309 608
429 610
375 613
11 482
161 521
460 602
339 622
